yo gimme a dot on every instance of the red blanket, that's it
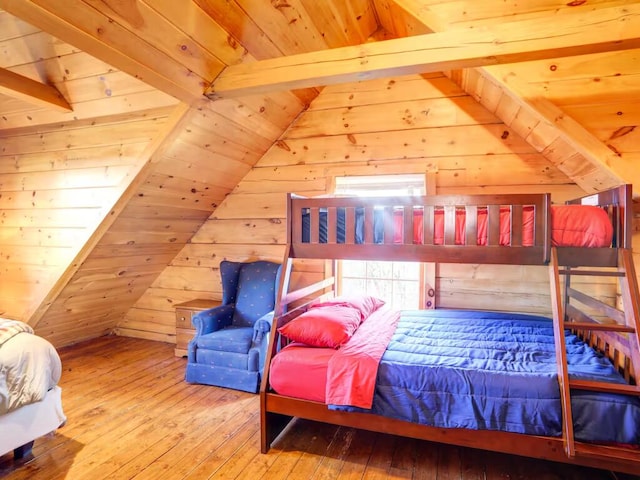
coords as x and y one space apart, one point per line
352 370
571 226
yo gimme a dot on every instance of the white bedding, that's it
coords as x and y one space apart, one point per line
29 367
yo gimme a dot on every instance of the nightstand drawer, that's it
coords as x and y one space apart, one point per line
183 318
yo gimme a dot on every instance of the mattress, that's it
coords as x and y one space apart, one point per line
286 366
477 370
571 226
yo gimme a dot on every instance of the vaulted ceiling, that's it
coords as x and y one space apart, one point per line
572 65
564 75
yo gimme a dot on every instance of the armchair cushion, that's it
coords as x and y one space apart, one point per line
230 339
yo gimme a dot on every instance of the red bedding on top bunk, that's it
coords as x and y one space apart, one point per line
571 226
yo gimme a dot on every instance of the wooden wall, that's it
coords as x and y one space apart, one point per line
402 125
213 151
56 185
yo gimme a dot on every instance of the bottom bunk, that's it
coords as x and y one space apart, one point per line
461 369
487 380
281 410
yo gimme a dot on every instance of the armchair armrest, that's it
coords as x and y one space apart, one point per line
262 327
213 319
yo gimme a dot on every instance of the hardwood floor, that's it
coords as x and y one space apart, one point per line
131 415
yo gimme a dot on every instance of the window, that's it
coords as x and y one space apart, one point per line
398 283
380 185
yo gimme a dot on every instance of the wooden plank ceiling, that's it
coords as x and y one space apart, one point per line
107 62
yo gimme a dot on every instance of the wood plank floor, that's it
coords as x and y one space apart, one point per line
131 415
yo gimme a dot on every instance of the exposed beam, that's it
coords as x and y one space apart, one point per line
81 25
581 33
530 98
24 88
581 140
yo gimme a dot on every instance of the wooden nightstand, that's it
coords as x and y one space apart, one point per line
184 329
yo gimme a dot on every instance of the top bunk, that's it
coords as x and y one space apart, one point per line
487 229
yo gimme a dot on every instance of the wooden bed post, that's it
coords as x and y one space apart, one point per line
272 424
561 355
631 305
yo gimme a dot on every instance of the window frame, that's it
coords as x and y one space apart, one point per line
376 181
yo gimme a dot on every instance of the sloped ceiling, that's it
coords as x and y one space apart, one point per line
184 49
76 60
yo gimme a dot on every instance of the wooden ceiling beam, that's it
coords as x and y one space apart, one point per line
84 27
608 29
570 131
36 93
531 99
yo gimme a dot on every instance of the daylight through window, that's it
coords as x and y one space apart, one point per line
397 283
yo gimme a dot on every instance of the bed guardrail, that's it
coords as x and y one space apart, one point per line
507 229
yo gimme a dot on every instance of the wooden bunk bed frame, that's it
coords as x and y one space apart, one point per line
616 337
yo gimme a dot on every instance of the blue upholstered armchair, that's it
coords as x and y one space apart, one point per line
231 340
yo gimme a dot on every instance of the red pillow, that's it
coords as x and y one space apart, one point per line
324 326
365 304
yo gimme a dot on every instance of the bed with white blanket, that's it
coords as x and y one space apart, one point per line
30 398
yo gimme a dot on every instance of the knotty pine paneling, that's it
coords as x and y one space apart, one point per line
210 156
466 148
387 90
428 113
56 184
492 139
468 13
272 30
89 85
523 95
394 19
201 28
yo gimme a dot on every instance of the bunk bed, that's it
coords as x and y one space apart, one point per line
30 398
517 229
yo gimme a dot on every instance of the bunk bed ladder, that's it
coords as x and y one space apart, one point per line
626 322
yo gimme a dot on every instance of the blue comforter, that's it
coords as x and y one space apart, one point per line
496 371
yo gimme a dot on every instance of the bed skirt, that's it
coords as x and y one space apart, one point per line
31 421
